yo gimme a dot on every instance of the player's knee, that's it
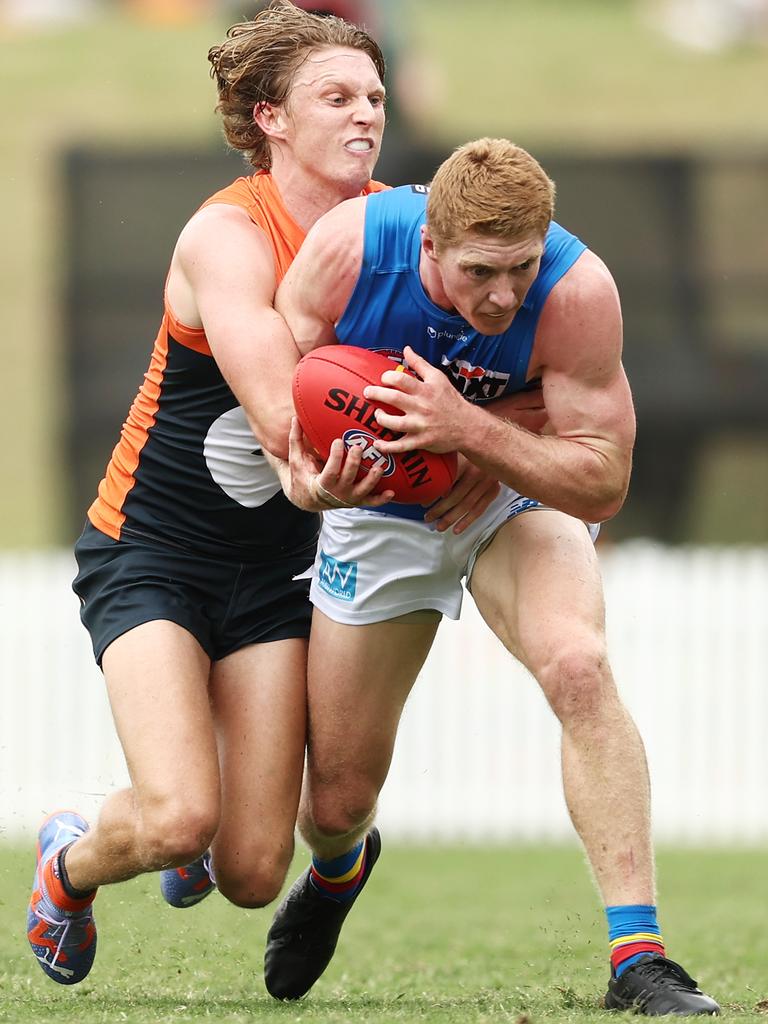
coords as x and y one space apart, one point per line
253 882
577 680
175 834
252 889
345 810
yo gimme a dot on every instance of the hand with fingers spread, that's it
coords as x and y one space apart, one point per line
432 409
317 487
471 494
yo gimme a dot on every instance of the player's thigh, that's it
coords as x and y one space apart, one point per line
359 679
157 680
258 697
538 586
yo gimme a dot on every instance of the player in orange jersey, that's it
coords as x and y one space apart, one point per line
188 558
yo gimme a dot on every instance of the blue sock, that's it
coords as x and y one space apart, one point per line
340 877
633 932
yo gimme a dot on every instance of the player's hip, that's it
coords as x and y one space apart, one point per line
224 605
371 567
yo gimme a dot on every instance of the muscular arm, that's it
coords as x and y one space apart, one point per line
525 408
582 465
320 281
223 278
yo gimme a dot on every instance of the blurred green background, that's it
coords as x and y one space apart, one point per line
558 76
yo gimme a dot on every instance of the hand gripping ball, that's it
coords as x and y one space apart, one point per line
328 396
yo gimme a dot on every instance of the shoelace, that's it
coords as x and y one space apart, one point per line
208 866
58 925
661 970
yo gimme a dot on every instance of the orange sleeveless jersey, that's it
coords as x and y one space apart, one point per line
187 469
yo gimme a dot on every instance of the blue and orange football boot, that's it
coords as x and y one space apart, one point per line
184 887
60 929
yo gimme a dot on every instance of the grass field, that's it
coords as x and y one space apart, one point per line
453 935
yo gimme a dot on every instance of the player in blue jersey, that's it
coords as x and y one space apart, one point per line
486 297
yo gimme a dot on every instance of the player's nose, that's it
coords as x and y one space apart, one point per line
503 295
363 111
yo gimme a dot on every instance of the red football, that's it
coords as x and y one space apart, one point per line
328 396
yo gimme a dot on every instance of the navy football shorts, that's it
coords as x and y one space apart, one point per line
224 604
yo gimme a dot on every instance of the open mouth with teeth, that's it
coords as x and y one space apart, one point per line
360 145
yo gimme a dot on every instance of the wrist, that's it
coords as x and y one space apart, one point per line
326 498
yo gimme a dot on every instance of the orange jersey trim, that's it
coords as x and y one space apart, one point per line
259 197
190 337
106 511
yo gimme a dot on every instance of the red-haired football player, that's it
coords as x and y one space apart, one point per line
485 296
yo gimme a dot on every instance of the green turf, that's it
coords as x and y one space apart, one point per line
452 935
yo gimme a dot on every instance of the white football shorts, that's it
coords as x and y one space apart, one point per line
371 567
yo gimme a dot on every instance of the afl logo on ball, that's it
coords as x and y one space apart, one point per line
371 455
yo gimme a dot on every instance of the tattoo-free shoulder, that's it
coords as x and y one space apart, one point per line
581 320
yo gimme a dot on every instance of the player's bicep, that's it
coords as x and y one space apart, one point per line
585 389
230 267
304 299
320 281
595 409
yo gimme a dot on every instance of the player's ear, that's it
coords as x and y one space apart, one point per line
271 119
428 243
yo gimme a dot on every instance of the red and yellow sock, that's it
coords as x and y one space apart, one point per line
633 932
339 878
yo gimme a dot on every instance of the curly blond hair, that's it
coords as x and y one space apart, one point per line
490 186
258 60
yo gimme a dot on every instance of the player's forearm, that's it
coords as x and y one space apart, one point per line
281 468
583 478
271 430
525 408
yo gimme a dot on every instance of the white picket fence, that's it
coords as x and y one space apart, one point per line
477 755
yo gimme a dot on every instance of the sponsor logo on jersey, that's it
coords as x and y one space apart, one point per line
395 354
339 579
372 457
475 383
436 335
235 460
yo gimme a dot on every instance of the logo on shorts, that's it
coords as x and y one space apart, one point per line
339 579
521 504
371 454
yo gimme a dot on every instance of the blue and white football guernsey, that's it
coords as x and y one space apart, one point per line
376 564
389 308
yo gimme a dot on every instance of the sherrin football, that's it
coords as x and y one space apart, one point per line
328 395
